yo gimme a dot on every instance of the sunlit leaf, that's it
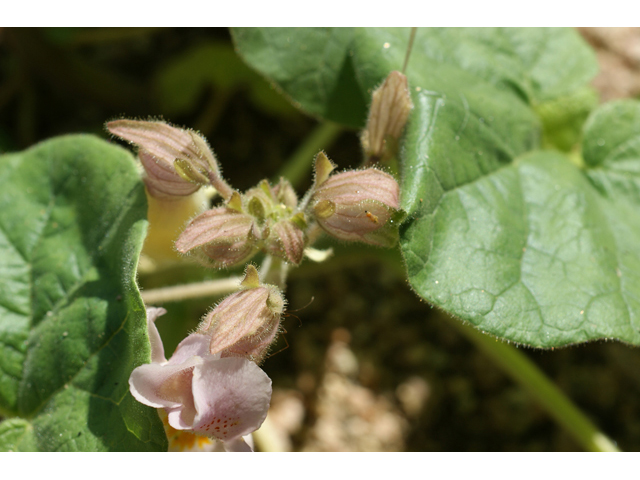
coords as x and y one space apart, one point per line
72 323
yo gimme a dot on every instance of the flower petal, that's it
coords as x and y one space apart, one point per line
157 349
238 445
231 396
167 386
194 345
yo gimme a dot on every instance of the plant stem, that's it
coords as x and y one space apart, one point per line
210 288
412 37
298 166
523 371
274 271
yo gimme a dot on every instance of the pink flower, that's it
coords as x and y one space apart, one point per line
222 398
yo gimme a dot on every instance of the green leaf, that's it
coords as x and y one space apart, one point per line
538 251
331 71
563 118
72 323
312 66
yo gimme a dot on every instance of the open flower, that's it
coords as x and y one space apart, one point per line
222 398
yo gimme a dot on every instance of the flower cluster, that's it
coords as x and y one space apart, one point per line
211 385
211 392
263 218
356 205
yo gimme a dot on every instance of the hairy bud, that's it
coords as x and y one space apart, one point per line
263 218
177 161
220 237
286 240
281 229
162 180
285 195
358 205
246 322
390 108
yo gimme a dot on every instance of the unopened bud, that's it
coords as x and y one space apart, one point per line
180 156
246 322
162 180
358 205
285 194
286 239
220 237
390 108
281 230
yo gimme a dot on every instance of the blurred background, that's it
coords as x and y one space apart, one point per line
364 365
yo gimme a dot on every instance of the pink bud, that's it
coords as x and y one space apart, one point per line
285 194
220 237
286 240
357 205
180 156
390 108
246 322
162 180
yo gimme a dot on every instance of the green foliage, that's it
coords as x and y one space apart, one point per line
563 117
311 65
524 243
180 83
331 71
72 323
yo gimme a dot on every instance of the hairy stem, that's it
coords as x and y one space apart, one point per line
210 288
274 271
524 372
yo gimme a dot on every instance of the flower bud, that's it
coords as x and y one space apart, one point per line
358 205
220 237
246 322
285 194
282 231
390 108
175 160
161 178
286 239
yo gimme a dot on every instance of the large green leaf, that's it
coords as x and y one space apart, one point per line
540 251
72 323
